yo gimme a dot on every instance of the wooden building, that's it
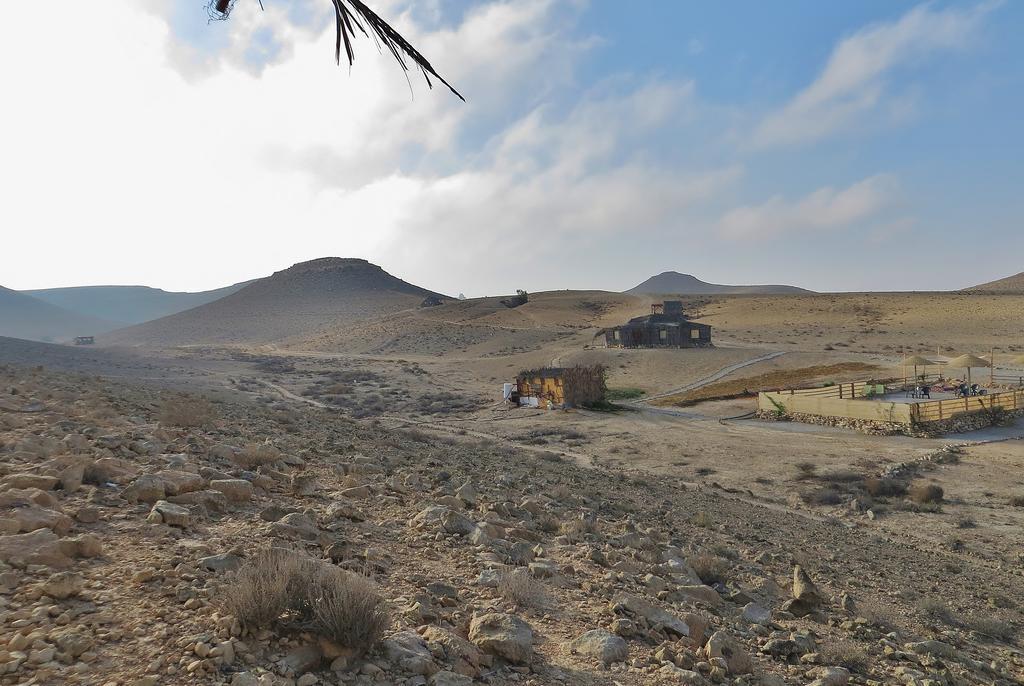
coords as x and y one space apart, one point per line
84 340
560 386
665 327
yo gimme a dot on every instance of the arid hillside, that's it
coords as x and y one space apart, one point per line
481 326
128 305
687 284
300 300
1011 284
887 323
22 316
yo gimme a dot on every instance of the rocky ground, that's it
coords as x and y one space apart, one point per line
131 517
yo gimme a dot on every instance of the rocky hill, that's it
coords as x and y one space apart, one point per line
304 298
687 284
127 305
22 316
1011 284
153 538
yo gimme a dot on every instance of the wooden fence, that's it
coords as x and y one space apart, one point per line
938 410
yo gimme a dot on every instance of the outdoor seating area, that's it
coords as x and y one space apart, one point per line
949 398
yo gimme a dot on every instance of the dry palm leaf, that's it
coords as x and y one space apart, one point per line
351 16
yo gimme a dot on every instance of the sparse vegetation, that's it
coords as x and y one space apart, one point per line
256 455
522 590
280 586
187 413
709 568
922 493
848 654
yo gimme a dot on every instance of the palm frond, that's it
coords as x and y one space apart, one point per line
353 15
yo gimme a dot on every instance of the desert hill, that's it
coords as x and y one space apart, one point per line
300 300
674 282
480 326
126 305
1011 284
22 316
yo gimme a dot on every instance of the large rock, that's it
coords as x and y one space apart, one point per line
464 657
755 614
148 488
722 645
235 490
212 501
177 482
295 526
654 615
19 514
40 547
444 519
45 483
503 635
602 645
806 598
170 514
408 651
832 676
63 585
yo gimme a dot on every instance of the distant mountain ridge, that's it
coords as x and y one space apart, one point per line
22 316
1011 284
127 305
687 284
306 297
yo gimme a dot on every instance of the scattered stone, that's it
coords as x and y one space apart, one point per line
235 490
503 635
170 514
600 644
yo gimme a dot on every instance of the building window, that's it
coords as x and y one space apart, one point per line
663 335
694 333
618 336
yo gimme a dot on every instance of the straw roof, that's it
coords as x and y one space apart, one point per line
1019 359
968 361
917 361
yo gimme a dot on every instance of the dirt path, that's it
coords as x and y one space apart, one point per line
720 374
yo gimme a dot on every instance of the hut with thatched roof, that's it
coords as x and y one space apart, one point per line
553 387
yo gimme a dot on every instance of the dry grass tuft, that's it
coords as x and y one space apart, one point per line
880 487
923 494
346 608
278 585
256 455
521 589
846 654
187 413
709 568
265 587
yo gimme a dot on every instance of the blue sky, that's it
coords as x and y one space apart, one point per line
837 146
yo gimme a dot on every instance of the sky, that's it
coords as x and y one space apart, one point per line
870 145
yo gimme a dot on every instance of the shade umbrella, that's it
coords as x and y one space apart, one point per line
966 362
916 361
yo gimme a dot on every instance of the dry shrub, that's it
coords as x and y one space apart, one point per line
1017 501
346 608
187 413
522 590
845 654
278 585
880 487
576 529
937 611
256 455
703 520
994 627
709 568
265 587
546 522
821 496
923 494
806 470
878 615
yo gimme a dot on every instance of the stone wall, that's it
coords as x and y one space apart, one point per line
958 424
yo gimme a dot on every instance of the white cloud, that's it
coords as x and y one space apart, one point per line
129 159
826 209
853 83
